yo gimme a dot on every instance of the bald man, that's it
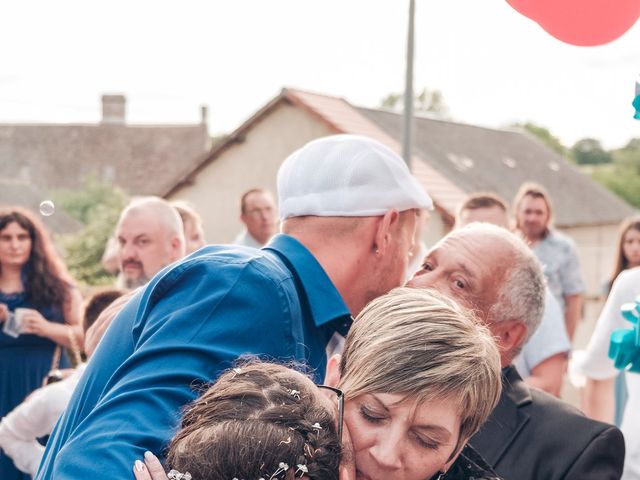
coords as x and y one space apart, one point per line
530 435
150 236
543 360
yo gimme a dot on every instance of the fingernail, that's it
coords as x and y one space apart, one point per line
139 466
149 456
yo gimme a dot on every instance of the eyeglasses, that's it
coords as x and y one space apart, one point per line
340 394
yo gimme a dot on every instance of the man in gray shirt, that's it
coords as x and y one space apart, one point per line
556 252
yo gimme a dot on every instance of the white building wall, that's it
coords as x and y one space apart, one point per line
596 249
216 190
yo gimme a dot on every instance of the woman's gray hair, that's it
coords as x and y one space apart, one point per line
423 345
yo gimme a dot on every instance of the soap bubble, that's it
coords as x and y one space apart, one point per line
47 208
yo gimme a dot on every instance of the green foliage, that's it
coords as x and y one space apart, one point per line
545 136
589 151
622 176
629 155
425 101
617 170
97 207
622 180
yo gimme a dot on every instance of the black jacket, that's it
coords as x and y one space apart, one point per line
534 436
470 466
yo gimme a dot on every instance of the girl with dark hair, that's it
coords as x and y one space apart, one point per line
39 313
258 420
628 248
627 256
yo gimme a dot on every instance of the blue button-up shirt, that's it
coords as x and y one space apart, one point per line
192 320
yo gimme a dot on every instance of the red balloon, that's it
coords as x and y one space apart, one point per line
581 22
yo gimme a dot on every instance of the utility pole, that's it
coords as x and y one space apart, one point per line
407 121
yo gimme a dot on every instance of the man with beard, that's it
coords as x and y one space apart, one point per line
530 435
556 252
150 236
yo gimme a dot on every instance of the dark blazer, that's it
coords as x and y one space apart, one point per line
534 436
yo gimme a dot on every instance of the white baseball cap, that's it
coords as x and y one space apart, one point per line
347 176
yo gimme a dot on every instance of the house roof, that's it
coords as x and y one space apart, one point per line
485 159
16 193
452 159
142 160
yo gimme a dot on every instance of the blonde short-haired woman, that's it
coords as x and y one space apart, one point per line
420 376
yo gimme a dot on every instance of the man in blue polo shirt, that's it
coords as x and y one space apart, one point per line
348 206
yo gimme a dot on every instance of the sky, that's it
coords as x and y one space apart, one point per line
493 66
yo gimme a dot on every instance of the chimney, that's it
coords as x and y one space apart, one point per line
113 109
204 114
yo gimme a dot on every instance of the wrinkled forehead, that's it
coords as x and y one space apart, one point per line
484 255
475 239
137 223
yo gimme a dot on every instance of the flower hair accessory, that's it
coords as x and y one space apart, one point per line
295 394
302 469
176 475
282 467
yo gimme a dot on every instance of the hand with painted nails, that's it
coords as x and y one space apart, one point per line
150 469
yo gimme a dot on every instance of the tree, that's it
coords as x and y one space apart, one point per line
622 180
629 155
97 207
589 151
544 135
622 175
426 101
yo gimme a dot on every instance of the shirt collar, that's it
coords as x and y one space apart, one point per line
325 302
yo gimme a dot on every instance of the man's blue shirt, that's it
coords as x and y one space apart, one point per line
191 322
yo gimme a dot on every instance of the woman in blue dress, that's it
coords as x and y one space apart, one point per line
33 279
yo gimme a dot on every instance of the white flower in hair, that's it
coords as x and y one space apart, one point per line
176 475
295 394
282 467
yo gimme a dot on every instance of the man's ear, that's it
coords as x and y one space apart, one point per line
178 247
332 377
511 335
387 224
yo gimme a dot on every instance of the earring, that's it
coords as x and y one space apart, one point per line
441 475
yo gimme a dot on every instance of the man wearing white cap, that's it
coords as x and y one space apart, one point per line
348 207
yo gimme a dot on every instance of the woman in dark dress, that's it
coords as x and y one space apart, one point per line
34 280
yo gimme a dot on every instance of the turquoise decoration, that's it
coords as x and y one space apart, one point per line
624 348
636 101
